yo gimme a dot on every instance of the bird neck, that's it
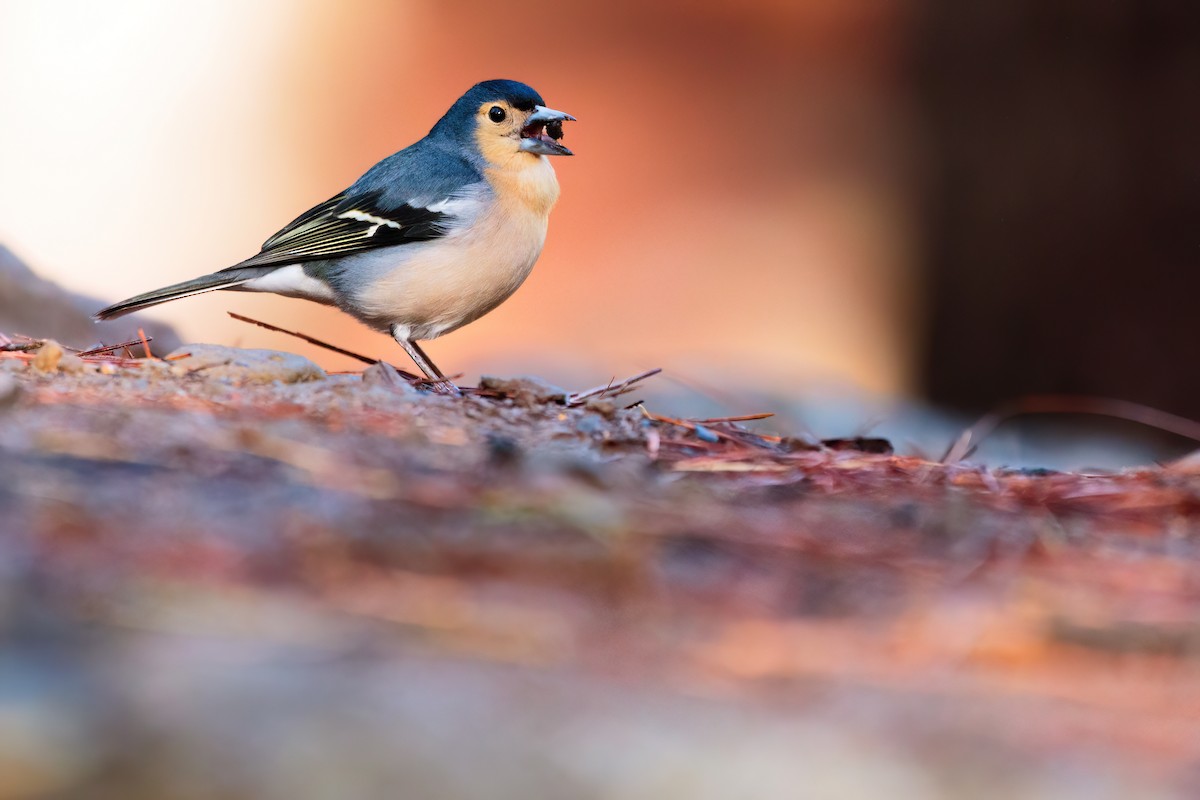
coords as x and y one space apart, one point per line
525 181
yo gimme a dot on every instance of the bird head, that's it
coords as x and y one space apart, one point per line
504 119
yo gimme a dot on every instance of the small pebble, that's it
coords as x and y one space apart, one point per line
236 365
72 364
384 374
48 356
605 408
525 391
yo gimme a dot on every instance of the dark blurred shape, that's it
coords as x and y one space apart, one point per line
36 307
1062 201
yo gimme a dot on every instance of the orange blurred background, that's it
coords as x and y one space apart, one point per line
739 205
961 202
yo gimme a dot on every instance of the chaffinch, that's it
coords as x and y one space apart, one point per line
430 238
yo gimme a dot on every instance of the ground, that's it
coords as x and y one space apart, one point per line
228 574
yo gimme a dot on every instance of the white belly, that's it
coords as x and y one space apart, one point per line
437 286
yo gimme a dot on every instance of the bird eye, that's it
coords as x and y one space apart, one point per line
496 114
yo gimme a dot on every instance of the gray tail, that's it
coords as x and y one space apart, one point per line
226 279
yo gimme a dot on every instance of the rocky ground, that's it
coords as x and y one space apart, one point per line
228 574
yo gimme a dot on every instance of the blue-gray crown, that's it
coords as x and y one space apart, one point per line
460 119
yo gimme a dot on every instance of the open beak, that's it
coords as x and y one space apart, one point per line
542 132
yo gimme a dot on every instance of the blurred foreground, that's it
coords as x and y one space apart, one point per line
237 577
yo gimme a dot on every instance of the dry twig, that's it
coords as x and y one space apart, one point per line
738 418
145 343
1069 404
108 348
609 390
315 341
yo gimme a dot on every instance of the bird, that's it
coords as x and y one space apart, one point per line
429 239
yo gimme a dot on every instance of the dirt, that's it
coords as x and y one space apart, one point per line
347 582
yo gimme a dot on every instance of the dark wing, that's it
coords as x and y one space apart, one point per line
343 226
412 196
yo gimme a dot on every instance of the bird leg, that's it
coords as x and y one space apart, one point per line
424 362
